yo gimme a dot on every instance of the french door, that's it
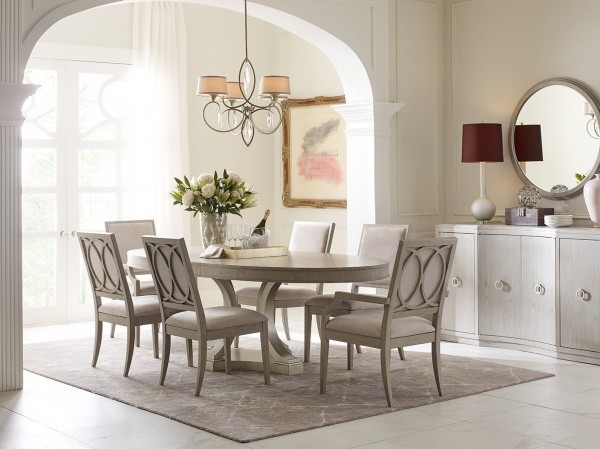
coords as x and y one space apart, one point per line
75 155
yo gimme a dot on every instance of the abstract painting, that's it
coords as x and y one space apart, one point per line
314 153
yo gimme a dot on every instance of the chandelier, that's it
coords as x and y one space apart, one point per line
231 109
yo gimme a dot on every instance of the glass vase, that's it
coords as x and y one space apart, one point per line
213 228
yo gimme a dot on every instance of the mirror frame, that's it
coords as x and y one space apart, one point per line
584 91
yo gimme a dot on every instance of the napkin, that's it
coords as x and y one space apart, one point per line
213 252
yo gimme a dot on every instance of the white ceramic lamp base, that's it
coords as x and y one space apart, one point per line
483 209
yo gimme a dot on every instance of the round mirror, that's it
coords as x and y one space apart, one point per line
554 137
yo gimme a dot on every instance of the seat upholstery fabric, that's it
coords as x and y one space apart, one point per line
146 288
142 306
217 318
368 323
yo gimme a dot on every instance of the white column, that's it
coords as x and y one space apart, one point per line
368 150
12 96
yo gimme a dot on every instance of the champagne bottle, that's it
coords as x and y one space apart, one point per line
259 229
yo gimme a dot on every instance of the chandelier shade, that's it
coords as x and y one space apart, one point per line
231 108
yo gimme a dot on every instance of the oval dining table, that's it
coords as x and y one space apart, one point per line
271 272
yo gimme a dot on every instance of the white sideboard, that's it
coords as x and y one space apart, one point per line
524 287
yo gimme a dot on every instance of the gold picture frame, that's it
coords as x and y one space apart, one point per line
314 153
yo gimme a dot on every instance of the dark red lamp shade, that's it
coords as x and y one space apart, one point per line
528 143
482 142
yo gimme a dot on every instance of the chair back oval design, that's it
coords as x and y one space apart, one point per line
421 274
103 264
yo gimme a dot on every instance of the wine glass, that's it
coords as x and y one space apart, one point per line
231 234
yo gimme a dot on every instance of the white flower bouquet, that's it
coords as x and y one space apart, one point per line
213 194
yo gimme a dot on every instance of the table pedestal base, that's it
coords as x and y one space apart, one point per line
251 360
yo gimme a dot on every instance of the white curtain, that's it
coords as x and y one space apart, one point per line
160 141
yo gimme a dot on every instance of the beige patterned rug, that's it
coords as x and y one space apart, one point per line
240 407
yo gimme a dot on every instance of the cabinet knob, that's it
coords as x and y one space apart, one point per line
499 285
539 289
582 294
456 282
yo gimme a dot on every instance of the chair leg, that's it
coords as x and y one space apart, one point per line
437 364
97 342
202 354
227 342
264 346
165 359
113 326
385 373
307 330
190 352
137 336
319 319
324 362
286 323
236 341
358 349
155 339
350 351
401 352
130 345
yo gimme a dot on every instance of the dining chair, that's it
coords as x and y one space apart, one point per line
113 302
412 309
377 241
307 236
129 236
184 316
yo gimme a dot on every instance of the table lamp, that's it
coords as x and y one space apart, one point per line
482 142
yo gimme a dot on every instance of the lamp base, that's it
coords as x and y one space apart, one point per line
483 209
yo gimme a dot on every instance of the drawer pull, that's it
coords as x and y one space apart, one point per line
539 289
582 294
456 282
499 285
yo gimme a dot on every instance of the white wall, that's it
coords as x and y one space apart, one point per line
501 48
416 169
91 28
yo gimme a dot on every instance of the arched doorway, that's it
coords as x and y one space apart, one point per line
360 111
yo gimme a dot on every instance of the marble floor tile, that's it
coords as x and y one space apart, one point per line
358 432
463 435
589 440
540 423
539 392
471 407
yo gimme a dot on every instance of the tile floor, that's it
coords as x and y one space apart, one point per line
558 412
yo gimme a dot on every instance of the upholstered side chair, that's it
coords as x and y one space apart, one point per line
412 309
129 236
183 314
312 237
113 302
377 241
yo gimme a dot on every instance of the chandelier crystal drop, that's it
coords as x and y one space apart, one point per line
231 109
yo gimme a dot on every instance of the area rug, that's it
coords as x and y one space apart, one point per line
240 407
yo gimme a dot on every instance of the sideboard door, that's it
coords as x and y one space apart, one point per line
499 285
459 306
580 294
538 317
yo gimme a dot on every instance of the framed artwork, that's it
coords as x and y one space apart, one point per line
314 153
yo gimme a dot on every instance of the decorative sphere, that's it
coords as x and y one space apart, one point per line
529 196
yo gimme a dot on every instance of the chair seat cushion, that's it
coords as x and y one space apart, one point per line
217 318
146 288
368 323
285 292
142 306
325 301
